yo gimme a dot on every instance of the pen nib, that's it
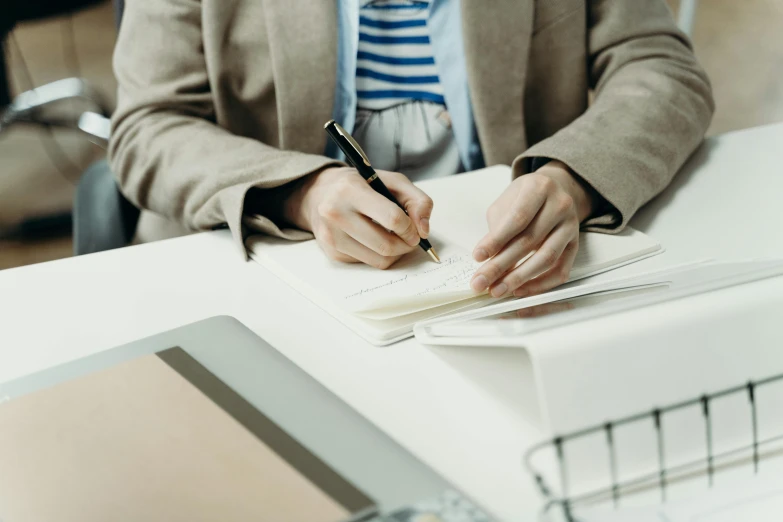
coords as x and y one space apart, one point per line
433 255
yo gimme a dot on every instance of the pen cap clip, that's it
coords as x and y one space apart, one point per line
353 143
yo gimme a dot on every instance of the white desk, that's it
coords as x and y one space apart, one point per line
467 413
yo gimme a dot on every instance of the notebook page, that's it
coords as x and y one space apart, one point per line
420 286
599 252
412 284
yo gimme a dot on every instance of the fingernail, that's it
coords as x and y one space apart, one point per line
479 284
500 290
425 226
520 293
480 255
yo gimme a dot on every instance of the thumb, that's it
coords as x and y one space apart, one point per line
416 203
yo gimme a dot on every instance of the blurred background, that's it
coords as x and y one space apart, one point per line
44 153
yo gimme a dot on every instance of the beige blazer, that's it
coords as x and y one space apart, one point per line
218 96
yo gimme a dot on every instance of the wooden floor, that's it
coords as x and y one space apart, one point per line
737 41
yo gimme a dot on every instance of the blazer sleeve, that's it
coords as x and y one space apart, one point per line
652 106
166 149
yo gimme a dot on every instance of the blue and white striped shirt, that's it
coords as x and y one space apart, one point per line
445 33
395 59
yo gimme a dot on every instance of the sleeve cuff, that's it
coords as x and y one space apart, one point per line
257 223
233 198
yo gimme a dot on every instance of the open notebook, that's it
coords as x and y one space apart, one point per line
383 306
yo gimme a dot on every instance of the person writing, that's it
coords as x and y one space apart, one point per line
222 104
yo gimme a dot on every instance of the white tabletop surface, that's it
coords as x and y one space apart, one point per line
468 413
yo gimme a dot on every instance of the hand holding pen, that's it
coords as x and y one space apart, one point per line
352 222
356 157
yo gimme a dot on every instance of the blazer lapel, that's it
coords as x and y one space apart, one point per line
497 38
303 45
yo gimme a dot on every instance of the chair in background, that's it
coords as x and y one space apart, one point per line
102 219
31 107
42 106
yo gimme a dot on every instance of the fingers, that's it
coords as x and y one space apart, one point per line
326 240
518 248
375 237
352 222
353 248
351 196
341 247
387 214
555 276
417 204
545 257
512 213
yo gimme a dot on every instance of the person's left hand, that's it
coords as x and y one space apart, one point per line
539 212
